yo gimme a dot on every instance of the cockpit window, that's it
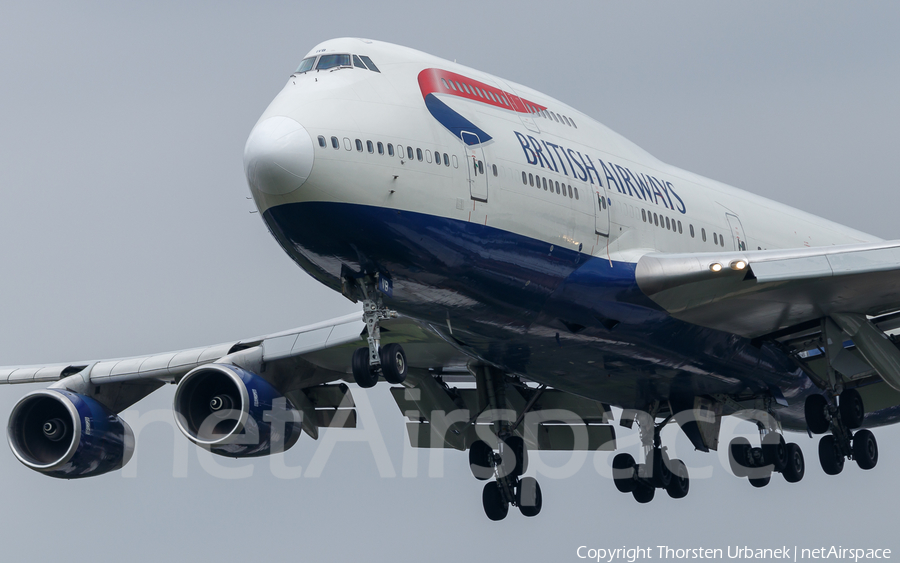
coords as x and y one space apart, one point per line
333 61
306 64
369 63
358 63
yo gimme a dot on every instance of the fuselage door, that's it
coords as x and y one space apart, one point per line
601 211
474 159
737 232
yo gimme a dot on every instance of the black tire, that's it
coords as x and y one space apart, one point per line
362 371
516 447
760 482
494 506
528 497
662 475
814 411
393 363
680 483
738 455
480 455
796 465
852 410
775 451
643 493
623 473
865 449
831 459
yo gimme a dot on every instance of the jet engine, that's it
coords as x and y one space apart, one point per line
235 413
67 435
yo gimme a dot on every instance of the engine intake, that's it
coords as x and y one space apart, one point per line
234 412
67 435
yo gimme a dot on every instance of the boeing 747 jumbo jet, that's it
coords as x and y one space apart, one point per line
521 269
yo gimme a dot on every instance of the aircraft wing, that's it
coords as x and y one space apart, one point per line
760 293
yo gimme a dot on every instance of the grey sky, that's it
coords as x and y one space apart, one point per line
124 229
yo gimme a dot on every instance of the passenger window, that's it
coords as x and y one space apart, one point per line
447 161
455 162
524 178
390 149
576 193
409 152
380 147
572 121
680 232
359 145
554 116
370 147
494 168
692 230
400 151
715 238
557 187
321 141
444 80
604 203
347 144
333 61
703 234
335 143
358 63
644 215
570 192
437 158
545 184
480 167
531 179
667 223
428 156
656 219
369 63
419 154
721 241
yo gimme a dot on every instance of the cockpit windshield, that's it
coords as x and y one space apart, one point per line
306 64
332 61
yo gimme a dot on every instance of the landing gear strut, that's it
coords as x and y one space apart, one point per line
508 465
842 444
370 362
658 472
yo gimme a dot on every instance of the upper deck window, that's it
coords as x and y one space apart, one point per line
333 61
306 64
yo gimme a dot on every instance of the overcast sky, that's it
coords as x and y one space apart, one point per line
125 229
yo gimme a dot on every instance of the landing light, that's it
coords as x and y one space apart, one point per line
738 265
715 267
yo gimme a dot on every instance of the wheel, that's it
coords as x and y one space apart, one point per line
738 456
760 482
517 449
865 449
852 411
680 483
528 496
623 473
662 475
494 506
775 451
814 411
362 371
393 363
831 459
796 466
643 493
480 455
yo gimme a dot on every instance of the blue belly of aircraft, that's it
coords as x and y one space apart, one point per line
576 322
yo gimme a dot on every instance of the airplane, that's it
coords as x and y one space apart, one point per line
522 271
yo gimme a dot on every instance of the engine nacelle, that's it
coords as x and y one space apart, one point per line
67 435
235 413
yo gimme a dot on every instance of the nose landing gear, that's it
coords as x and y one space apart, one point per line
374 360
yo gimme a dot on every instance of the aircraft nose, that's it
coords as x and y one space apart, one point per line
278 156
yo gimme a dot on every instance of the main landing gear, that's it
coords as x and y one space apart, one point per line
841 418
658 472
375 360
774 455
509 463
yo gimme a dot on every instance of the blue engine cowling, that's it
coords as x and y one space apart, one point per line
235 413
67 435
